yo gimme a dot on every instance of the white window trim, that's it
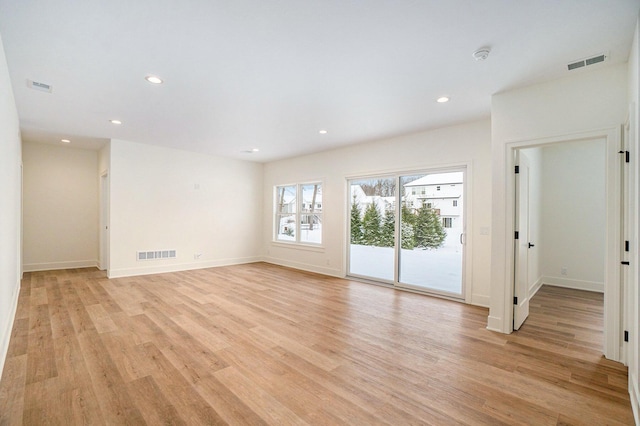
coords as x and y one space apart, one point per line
298 217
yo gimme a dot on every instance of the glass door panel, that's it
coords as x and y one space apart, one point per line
431 228
372 228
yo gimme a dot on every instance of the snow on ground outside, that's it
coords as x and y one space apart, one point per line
439 269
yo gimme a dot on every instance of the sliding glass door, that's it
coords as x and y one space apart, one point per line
432 222
408 230
373 228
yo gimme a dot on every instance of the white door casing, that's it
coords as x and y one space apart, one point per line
104 222
501 313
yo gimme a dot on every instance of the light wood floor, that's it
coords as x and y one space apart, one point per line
261 344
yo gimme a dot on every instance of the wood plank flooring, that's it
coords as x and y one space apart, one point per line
262 344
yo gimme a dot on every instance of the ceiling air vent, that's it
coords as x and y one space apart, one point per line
587 61
595 60
36 85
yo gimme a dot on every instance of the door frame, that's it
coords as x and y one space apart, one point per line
104 235
612 290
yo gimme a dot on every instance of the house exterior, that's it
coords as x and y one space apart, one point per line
442 192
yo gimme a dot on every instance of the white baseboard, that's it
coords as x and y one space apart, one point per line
536 286
6 333
495 324
480 300
160 269
575 284
338 273
51 266
634 394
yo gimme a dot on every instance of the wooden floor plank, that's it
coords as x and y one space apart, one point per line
12 388
263 344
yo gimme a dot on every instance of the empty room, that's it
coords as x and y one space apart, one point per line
284 212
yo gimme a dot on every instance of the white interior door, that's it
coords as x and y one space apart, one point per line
522 243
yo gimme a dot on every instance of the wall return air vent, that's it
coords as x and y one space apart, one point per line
587 61
37 85
156 254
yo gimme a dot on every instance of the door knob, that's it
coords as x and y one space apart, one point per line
531 245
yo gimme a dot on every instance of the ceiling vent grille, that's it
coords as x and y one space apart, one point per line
156 254
36 85
587 61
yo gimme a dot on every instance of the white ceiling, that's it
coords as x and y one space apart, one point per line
270 74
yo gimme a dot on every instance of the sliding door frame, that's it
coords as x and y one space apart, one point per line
466 168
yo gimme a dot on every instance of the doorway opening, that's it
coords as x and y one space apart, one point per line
574 237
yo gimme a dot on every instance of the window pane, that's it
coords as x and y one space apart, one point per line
311 214
286 227
372 228
286 213
286 199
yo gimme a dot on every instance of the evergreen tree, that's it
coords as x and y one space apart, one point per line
407 239
428 230
388 232
371 223
356 223
407 215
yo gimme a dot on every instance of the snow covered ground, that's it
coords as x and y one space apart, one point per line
306 236
439 269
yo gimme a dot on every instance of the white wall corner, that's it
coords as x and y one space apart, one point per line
52 266
594 286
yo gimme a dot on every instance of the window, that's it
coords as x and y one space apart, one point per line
447 222
455 203
298 213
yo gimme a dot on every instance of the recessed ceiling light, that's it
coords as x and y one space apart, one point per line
442 99
115 122
250 151
323 132
153 79
65 141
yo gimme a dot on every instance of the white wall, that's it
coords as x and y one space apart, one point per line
162 199
10 214
60 214
584 102
104 158
574 214
466 143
